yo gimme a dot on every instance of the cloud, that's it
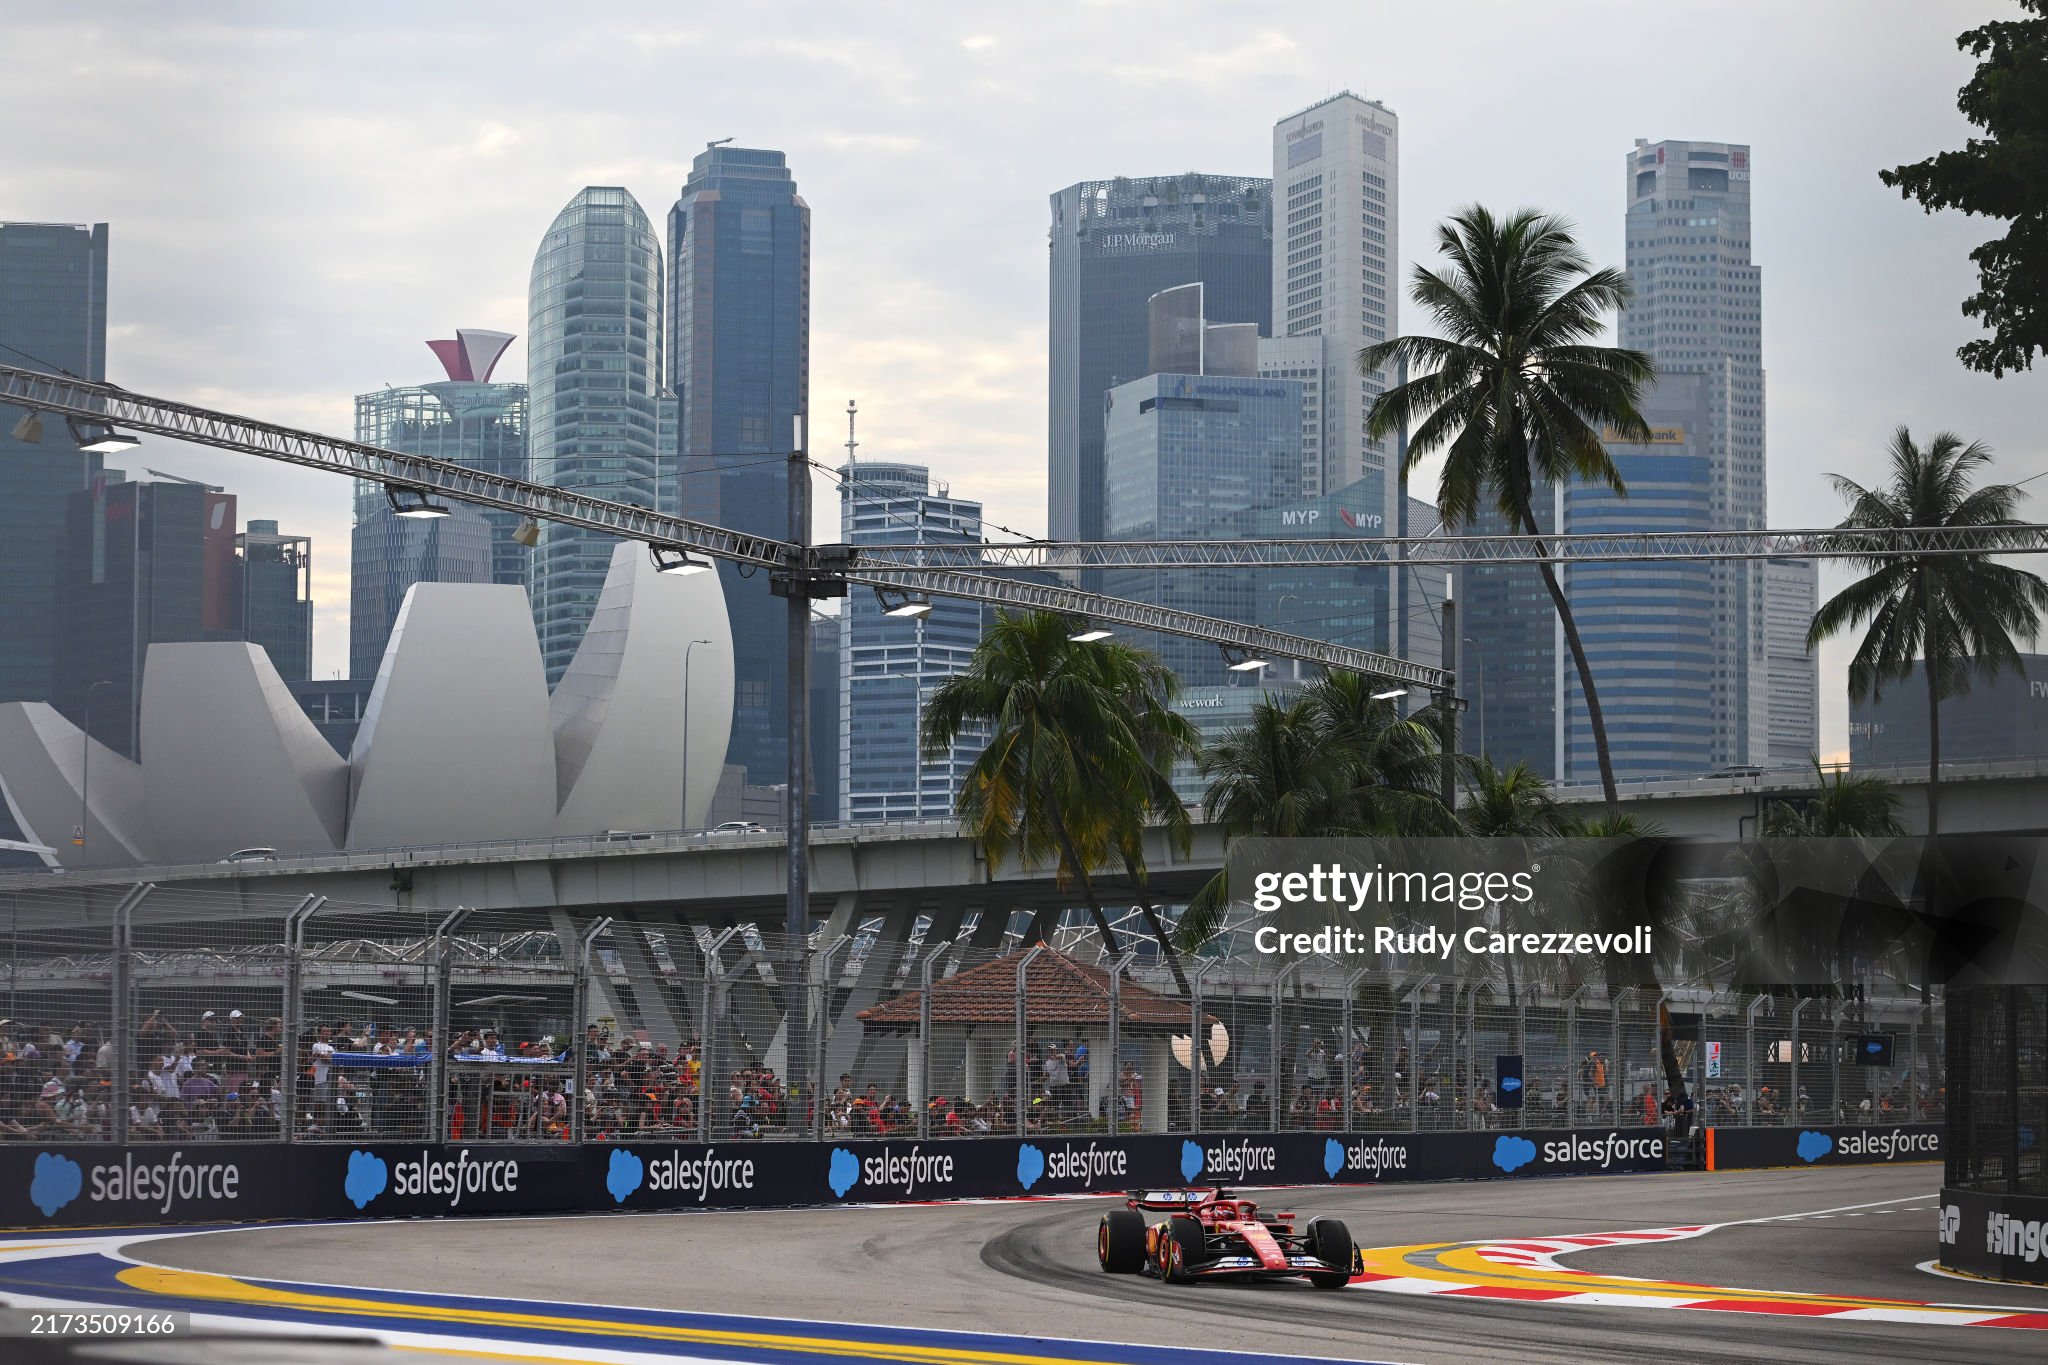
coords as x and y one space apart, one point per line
297 200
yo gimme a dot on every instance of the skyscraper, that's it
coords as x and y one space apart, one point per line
1188 457
1682 658
1114 244
1791 595
738 338
466 419
593 359
1336 179
890 664
274 585
142 564
53 316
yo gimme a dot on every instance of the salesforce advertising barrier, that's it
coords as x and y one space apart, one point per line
1999 1236
80 1186
1735 1149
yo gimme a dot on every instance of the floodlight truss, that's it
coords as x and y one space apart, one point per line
981 572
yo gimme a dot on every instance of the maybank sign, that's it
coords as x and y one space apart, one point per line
1659 436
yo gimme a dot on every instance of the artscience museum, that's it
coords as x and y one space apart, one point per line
461 740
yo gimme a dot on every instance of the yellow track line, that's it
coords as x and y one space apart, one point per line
1459 1263
190 1284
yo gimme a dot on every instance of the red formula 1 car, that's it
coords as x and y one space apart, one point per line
1209 1234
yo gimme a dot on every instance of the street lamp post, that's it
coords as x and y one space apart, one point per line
85 769
688 650
1483 663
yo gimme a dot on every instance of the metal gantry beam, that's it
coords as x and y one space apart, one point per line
1095 607
1453 551
225 431
183 421
977 572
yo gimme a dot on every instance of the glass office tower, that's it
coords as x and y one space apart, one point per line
53 316
275 584
1698 312
890 665
739 244
1114 244
1184 457
468 421
593 361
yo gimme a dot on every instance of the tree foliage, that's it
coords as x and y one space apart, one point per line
2001 175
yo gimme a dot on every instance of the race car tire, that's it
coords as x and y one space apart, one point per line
1120 1242
1329 1241
1182 1247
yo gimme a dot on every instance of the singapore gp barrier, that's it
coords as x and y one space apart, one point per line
1995 1236
1746 1149
84 1185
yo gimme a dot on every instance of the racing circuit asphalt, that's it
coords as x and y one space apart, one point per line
1029 1268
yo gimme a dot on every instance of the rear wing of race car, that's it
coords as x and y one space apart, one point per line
1176 1199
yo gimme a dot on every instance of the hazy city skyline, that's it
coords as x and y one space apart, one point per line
296 200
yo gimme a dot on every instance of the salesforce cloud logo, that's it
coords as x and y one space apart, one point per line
1030 1165
367 1177
1190 1161
1333 1157
624 1174
1513 1153
1813 1146
843 1173
1511 1083
57 1181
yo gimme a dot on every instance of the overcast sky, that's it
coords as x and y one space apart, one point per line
301 195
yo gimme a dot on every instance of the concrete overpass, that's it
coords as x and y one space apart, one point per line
897 870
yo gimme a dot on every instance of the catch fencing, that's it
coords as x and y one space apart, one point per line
159 1016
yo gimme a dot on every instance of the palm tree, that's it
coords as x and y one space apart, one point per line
1959 612
1083 739
1512 804
1847 808
1516 390
1339 760
1516 803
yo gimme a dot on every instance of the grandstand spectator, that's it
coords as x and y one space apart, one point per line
202 1086
1766 1104
490 1047
1131 1090
1058 1076
206 1038
60 1110
1254 1110
266 1048
145 1115
1301 1109
1651 1115
1318 1068
156 1036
